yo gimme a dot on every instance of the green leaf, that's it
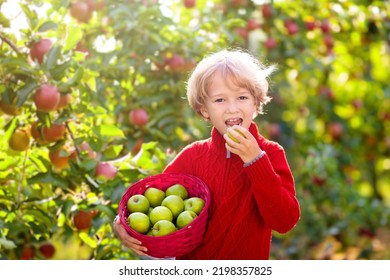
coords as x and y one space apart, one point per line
106 210
38 216
52 57
78 75
88 240
4 21
59 71
24 92
47 26
18 64
48 178
106 130
73 36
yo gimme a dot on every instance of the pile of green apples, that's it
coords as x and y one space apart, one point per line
158 213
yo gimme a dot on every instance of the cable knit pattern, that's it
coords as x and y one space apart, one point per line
247 203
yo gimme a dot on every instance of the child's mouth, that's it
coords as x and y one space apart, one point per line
233 121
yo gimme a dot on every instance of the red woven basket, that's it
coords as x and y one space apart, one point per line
181 241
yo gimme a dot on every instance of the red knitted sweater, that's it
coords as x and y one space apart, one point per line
246 203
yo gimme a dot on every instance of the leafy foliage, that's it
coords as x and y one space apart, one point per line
330 111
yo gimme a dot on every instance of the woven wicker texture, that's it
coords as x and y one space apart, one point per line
181 241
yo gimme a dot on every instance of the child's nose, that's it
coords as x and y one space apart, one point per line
232 107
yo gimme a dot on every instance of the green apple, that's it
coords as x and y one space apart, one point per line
177 189
162 228
175 203
160 213
138 203
185 218
155 196
234 138
139 222
195 204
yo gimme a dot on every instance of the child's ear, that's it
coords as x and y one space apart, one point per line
204 113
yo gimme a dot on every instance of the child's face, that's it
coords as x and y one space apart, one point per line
227 104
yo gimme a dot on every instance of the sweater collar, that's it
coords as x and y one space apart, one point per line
218 142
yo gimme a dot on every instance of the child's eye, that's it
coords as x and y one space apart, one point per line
243 97
218 100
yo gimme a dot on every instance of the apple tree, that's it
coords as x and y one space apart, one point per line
92 98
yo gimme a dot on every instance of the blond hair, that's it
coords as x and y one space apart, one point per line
243 68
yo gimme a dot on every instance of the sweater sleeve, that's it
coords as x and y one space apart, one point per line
274 190
181 163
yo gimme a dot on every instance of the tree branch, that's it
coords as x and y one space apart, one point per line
10 43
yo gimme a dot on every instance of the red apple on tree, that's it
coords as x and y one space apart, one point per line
325 26
291 26
274 130
84 147
46 98
318 180
65 100
310 25
95 5
36 133
189 3
105 171
80 47
242 32
138 117
252 24
328 40
326 92
47 250
39 49
270 43
176 62
19 140
28 252
82 219
80 11
59 157
9 109
266 10
238 3
53 133
335 129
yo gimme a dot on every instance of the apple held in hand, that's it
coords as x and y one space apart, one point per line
138 203
139 222
185 218
162 228
195 204
177 189
155 196
233 138
174 203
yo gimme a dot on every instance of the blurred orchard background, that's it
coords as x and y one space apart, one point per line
114 72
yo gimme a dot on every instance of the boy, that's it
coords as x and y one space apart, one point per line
251 184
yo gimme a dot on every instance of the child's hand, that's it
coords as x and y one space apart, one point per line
245 145
129 241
